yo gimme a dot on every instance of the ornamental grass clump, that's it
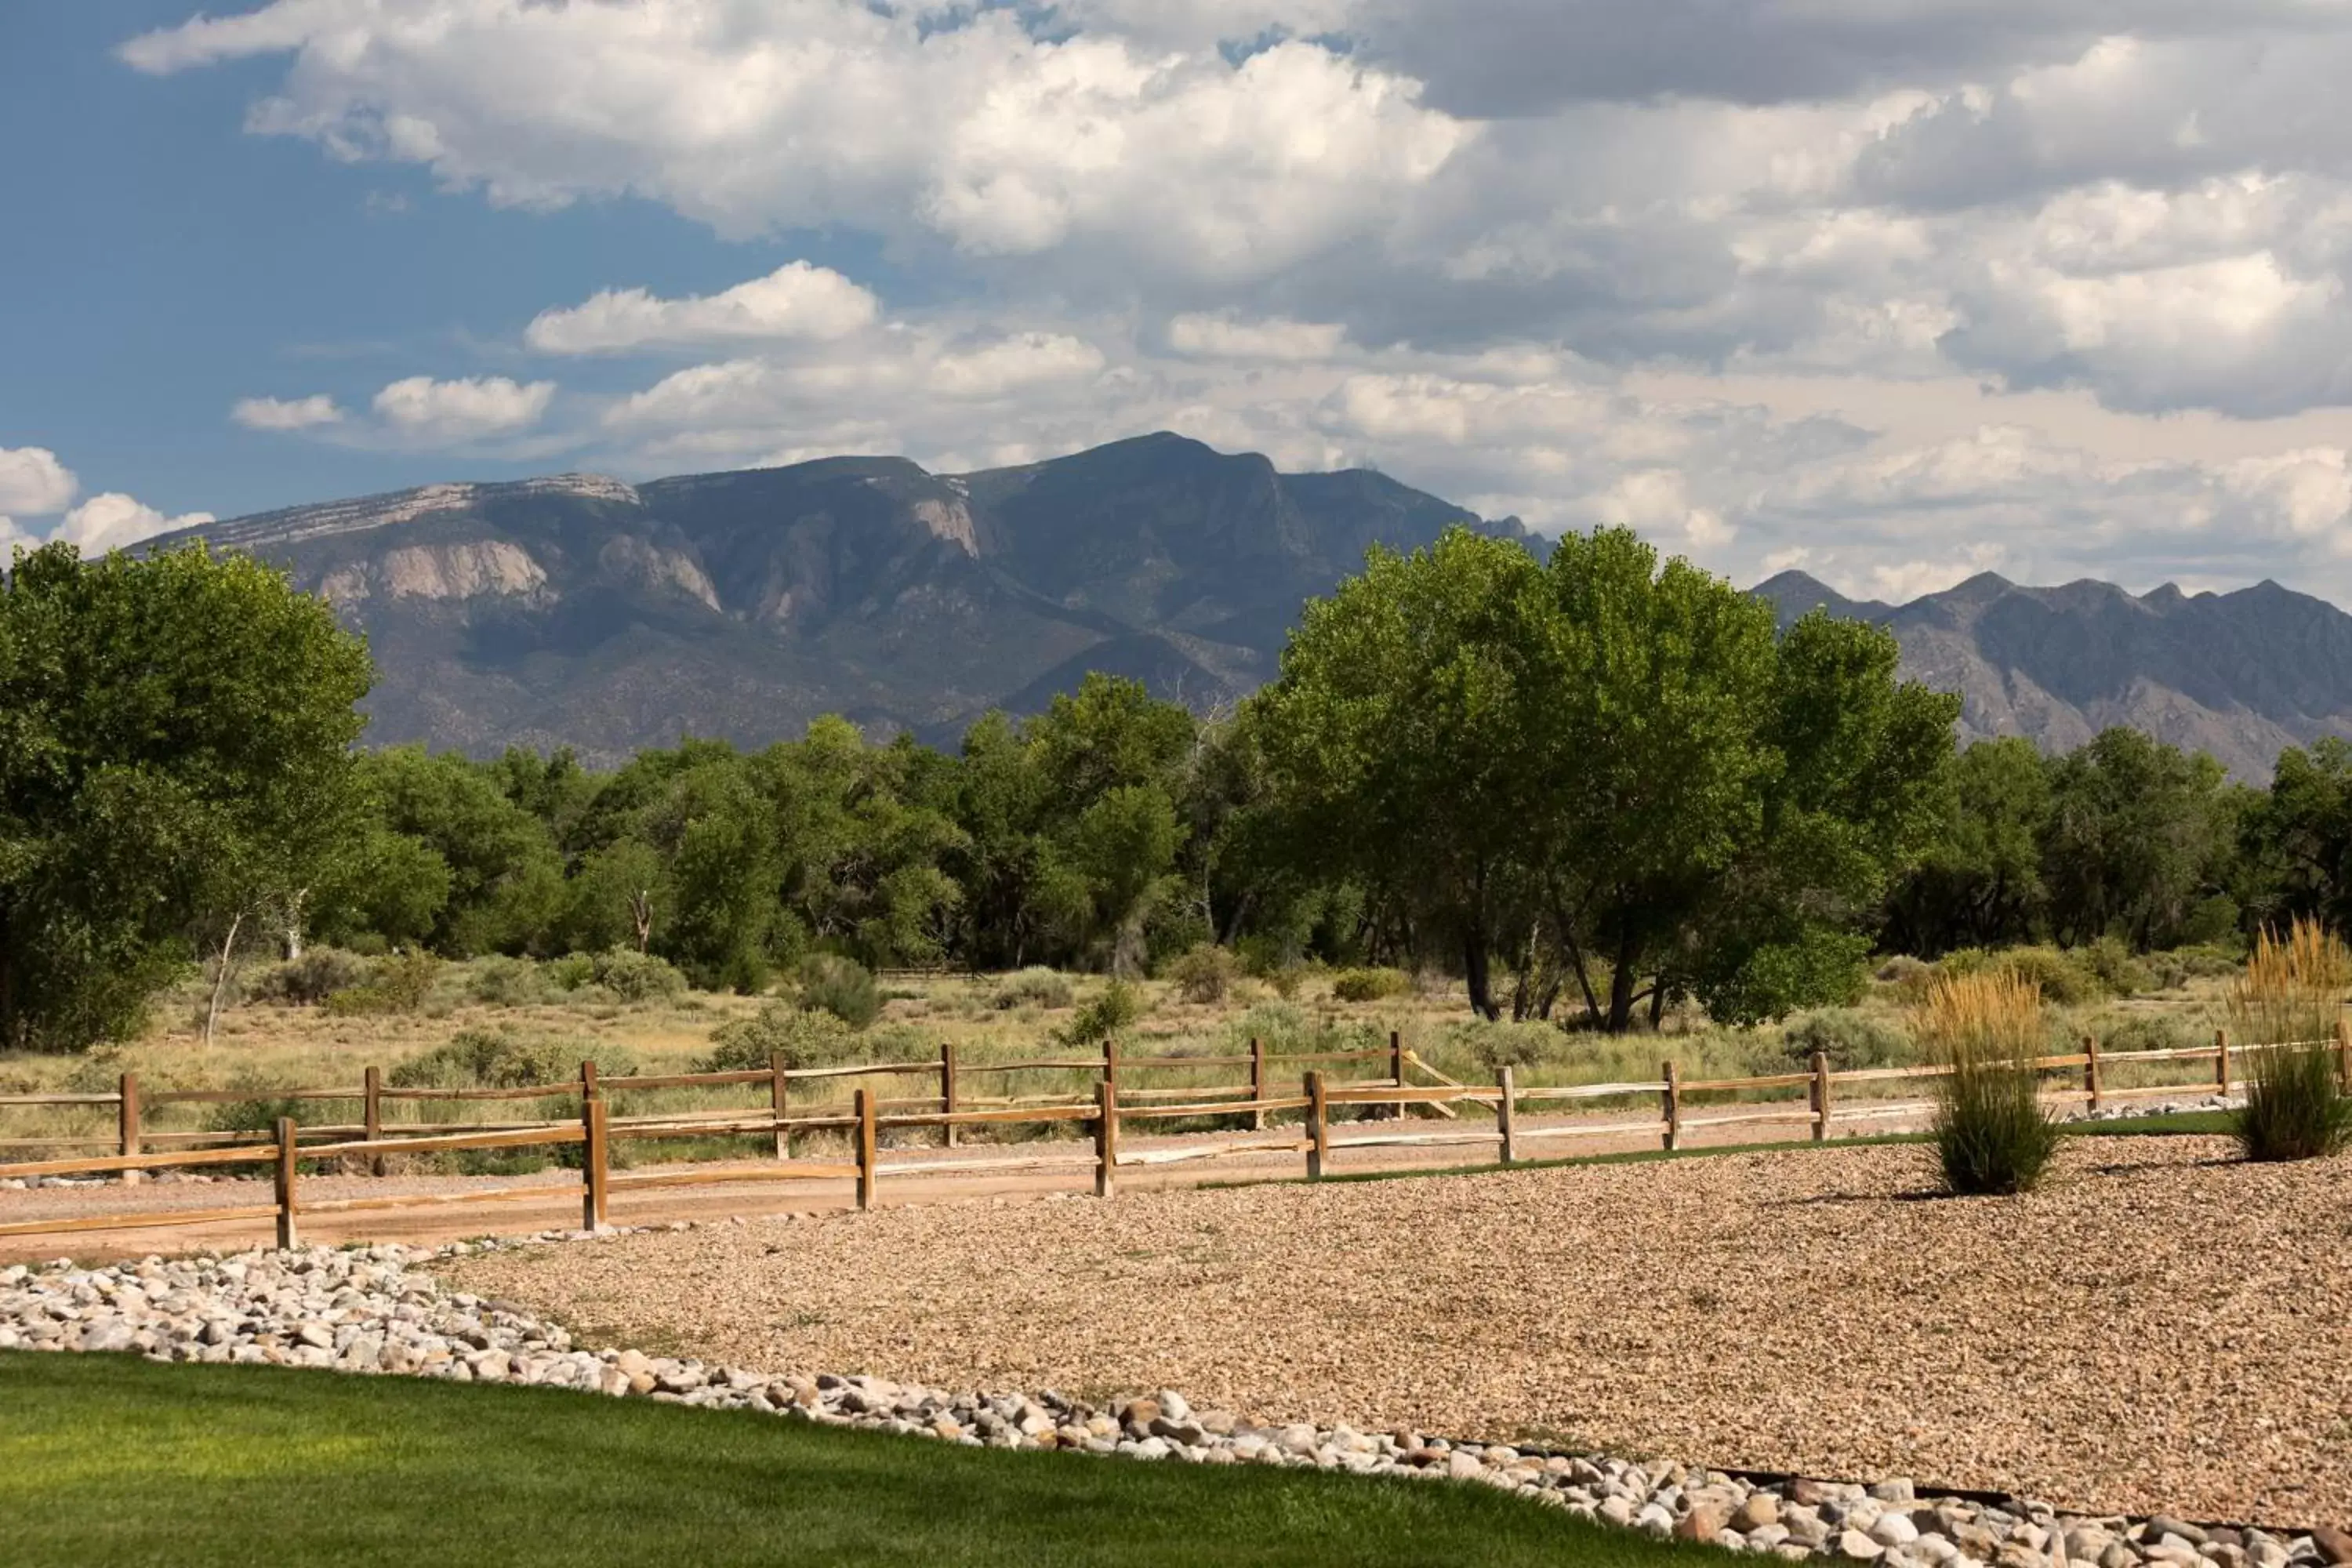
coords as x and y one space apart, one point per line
1992 1134
2287 1000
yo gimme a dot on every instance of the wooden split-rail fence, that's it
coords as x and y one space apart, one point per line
1324 1130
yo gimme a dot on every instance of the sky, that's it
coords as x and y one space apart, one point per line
1893 291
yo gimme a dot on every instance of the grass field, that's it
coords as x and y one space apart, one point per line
114 1460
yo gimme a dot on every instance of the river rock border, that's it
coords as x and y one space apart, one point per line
372 1310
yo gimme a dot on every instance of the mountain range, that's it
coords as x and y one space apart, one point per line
583 611
2240 676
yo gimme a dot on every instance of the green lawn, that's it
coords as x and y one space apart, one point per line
107 1460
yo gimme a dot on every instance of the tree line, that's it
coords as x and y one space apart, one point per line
1594 785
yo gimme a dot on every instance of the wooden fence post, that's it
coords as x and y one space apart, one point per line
286 1237
1396 1071
372 1114
780 1098
1106 1138
595 1164
1257 1083
127 1122
865 1150
588 1090
1673 1073
1110 1062
948 1093
1507 1118
1319 1128
2091 1085
2221 1060
2344 1051
1821 1096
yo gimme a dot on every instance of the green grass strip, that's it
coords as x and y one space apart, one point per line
112 1459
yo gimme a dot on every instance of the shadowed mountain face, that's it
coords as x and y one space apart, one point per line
2240 675
582 610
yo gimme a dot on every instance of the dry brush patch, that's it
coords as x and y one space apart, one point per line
2161 1329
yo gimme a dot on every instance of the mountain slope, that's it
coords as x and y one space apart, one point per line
2239 674
582 610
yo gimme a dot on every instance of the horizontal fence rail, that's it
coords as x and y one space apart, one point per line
1325 1131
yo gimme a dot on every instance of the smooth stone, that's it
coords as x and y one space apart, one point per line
1704 1522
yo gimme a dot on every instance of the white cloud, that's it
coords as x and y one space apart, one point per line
1897 582
422 409
285 414
112 520
1223 336
1013 363
2058 257
809 112
33 482
796 300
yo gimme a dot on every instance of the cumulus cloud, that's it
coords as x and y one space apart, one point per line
796 300
112 520
1362 230
285 414
1223 336
33 482
422 409
798 112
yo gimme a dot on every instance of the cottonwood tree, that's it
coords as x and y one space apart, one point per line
174 757
1606 758
1398 740
1978 883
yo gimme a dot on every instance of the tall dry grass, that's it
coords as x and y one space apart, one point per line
1992 1134
2288 999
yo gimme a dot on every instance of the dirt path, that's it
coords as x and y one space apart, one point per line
2162 1329
561 1206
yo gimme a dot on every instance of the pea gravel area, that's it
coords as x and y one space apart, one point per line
2162 1329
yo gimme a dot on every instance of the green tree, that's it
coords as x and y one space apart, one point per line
619 897
1852 800
1656 754
716 832
505 875
1397 740
1978 881
1604 758
174 759
2139 843
2297 840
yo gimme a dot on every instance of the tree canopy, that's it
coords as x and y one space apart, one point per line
176 767
1611 769
1592 783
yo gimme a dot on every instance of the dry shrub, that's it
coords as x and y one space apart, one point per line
1369 984
804 1037
396 983
841 986
1205 974
1992 1134
2288 999
1033 987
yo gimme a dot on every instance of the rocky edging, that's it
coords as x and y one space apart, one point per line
372 1310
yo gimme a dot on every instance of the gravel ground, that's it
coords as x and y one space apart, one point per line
2163 1328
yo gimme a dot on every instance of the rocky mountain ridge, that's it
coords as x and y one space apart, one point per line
2240 675
584 611
581 610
